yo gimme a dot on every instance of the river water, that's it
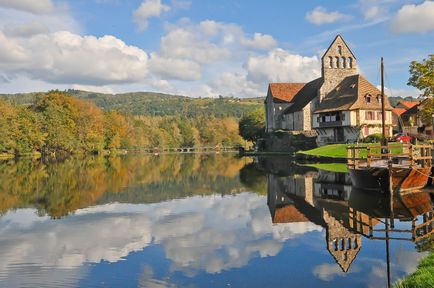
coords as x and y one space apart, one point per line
202 220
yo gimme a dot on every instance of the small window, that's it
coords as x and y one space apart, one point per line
343 62
350 62
368 98
340 50
330 62
338 65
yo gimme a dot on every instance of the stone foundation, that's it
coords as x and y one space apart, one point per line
288 141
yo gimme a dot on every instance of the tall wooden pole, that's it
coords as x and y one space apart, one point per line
383 112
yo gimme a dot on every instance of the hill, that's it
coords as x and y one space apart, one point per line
157 104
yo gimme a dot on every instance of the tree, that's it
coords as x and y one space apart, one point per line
252 125
422 75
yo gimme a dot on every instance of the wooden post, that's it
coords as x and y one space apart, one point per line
410 154
413 228
391 190
368 157
356 156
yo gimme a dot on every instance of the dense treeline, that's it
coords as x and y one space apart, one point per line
157 104
56 123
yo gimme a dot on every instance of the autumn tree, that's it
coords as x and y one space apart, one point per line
8 127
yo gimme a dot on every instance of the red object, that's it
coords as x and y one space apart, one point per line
403 138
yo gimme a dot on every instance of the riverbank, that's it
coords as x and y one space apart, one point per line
338 152
422 277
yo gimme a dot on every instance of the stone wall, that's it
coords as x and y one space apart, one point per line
333 73
287 141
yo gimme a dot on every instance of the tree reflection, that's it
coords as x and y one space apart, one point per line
59 188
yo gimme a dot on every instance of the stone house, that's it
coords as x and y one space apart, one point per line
341 105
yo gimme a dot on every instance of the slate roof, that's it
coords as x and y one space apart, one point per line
350 95
284 91
305 95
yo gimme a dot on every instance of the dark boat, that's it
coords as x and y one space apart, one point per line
387 172
400 178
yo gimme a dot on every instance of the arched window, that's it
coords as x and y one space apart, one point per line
338 65
350 62
344 62
330 62
340 49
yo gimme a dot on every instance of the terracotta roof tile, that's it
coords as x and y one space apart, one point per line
398 111
288 214
285 91
408 104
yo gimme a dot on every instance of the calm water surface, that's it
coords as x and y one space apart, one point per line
201 221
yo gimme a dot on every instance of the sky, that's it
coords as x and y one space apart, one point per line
203 48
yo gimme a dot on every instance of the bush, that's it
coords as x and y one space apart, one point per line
373 138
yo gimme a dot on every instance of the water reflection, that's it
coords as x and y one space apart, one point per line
326 198
57 189
201 221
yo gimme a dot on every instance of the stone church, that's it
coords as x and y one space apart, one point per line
341 105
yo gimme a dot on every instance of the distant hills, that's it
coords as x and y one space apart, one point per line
158 104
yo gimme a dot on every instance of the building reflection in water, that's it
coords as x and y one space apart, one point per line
297 194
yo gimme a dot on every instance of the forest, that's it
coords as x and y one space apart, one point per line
58 124
156 104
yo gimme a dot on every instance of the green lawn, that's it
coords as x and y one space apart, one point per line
423 277
332 167
340 150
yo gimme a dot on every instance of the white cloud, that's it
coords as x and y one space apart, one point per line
400 92
414 18
320 15
191 44
148 9
211 234
260 41
173 68
374 9
328 272
32 6
281 66
236 84
25 29
64 57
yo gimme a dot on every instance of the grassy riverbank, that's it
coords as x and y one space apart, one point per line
340 150
332 167
422 277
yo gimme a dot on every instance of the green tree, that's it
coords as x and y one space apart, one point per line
8 127
422 75
29 136
252 125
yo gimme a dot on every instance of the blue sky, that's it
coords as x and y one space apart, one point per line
203 48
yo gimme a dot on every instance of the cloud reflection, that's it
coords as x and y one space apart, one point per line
209 234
